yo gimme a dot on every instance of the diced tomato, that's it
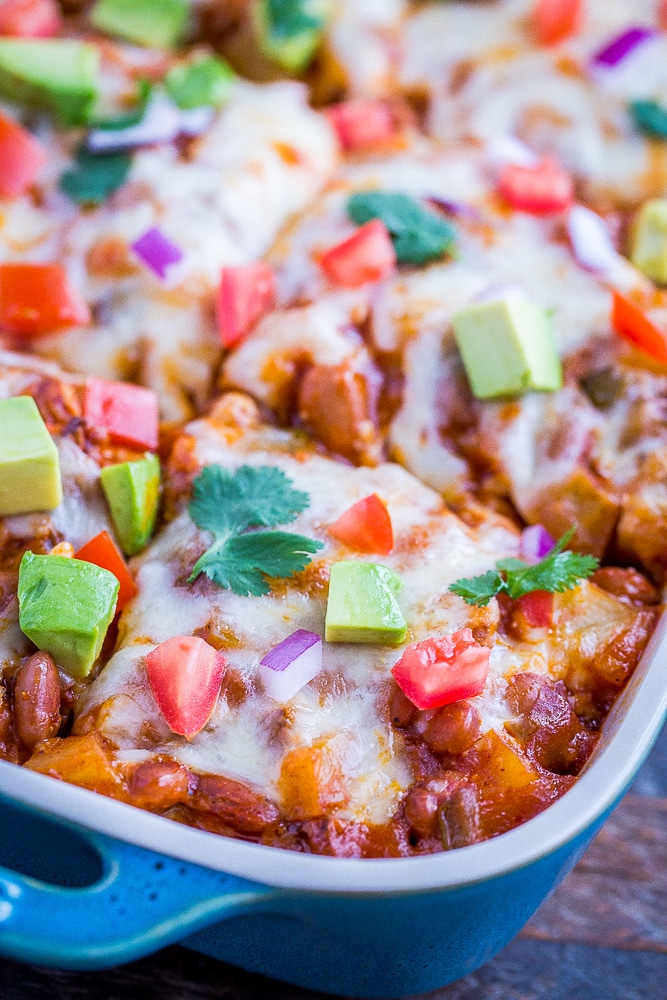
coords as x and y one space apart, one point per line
556 20
37 299
539 189
662 14
367 255
246 292
128 413
366 526
632 323
437 672
30 18
537 608
359 124
103 551
185 675
21 158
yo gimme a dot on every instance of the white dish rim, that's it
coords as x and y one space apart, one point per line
629 731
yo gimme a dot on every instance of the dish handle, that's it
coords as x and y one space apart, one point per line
142 902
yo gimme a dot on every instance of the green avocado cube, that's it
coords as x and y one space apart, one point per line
132 490
158 24
60 74
29 466
65 607
507 347
362 605
648 250
289 32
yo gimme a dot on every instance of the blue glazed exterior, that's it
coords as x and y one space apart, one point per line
366 945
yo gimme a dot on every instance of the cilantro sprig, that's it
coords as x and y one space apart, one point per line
228 504
560 570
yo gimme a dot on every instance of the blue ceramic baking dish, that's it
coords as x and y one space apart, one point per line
87 882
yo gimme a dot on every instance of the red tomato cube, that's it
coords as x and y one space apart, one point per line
437 672
537 608
30 18
128 413
367 255
366 526
556 20
21 158
246 292
185 675
359 124
539 189
37 299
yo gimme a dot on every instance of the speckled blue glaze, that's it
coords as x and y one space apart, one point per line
102 902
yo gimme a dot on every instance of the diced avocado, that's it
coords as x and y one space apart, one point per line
648 250
362 606
132 492
29 466
159 24
60 74
507 347
289 32
65 607
205 81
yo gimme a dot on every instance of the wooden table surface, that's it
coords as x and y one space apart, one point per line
601 936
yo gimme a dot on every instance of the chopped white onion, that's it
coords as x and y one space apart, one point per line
590 239
291 665
503 149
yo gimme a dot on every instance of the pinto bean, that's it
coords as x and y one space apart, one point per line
336 404
235 803
453 729
37 699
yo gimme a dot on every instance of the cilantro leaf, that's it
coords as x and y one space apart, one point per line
650 117
559 571
227 504
95 176
291 18
418 234
479 589
555 573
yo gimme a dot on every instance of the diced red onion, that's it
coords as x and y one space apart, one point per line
162 122
457 208
504 149
156 251
622 45
590 239
291 665
536 543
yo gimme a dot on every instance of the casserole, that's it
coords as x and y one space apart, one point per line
346 926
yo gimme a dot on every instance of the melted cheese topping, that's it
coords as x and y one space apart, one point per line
433 548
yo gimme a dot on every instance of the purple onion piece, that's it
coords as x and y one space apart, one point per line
457 208
592 245
535 544
156 251
622 45
290 665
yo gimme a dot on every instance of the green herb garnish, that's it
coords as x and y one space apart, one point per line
227 504
289 32
418 234
650 118
95 176
559 571
206 81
